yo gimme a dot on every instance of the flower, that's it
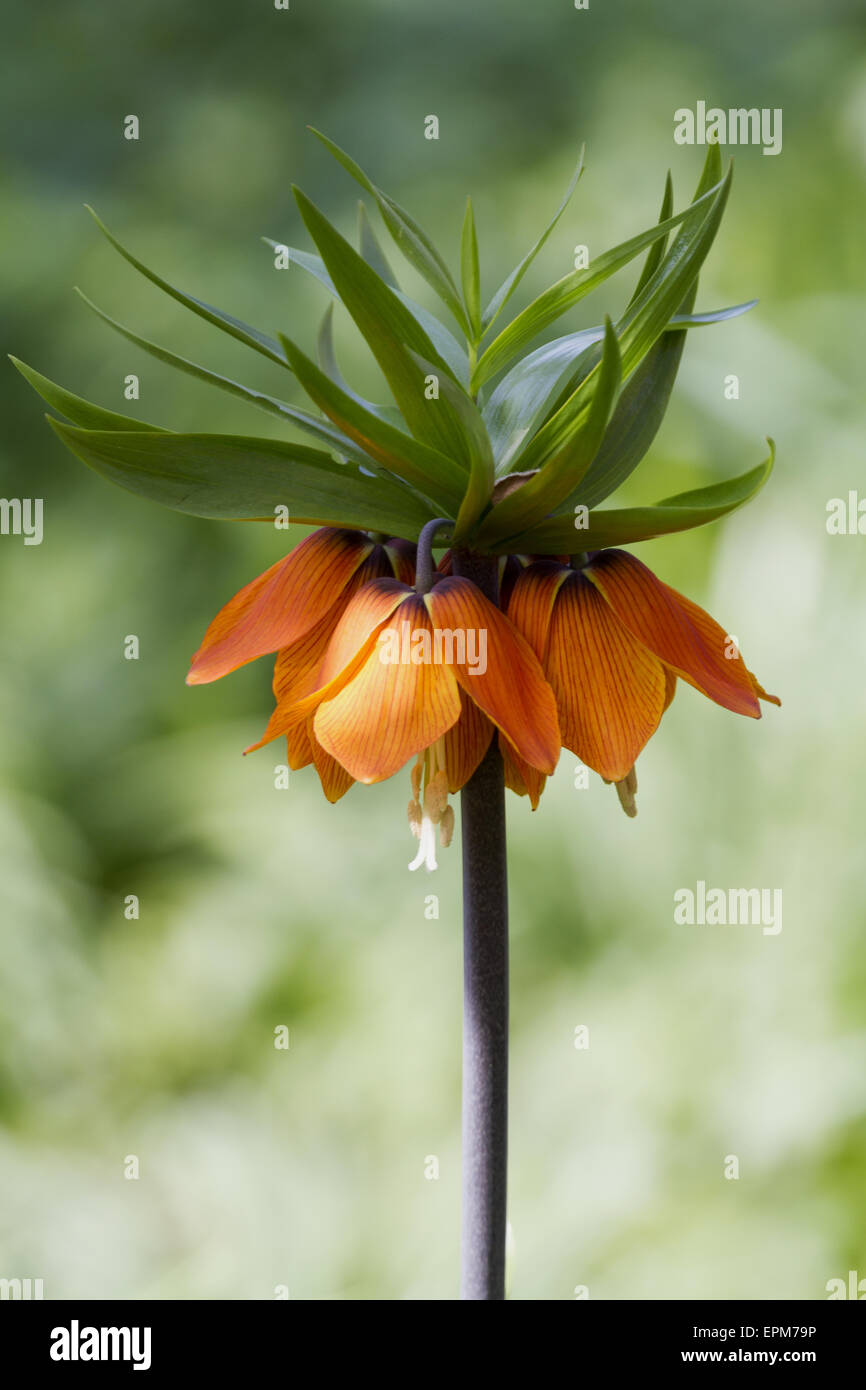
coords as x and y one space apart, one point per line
398 679
292 609
612 640
522 446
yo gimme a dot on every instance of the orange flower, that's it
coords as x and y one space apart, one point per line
292 609
612 640
427 676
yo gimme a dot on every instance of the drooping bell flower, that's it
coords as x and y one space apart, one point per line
292 609
612 640
425 676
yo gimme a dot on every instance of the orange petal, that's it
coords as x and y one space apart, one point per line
610 690
334 778
401 557
282 604
389 710
718 640
466 742
670 687
531 603
297 667
300 747
347 649
519 776
512 691
665 623
296 671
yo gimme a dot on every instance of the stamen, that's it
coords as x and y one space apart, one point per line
429 808
427 848
626 790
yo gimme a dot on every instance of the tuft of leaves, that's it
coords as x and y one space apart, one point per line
514 442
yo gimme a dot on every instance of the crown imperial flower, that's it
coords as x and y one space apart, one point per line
508 462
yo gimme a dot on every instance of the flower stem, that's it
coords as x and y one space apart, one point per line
485 1005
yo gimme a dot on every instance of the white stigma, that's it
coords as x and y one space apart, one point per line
427 848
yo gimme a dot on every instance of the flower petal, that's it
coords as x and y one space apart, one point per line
610 690
519 776
718 640
389 710
282 604
512 691
466 742
334 778
530 605
346 649
300 747
665 623
401 557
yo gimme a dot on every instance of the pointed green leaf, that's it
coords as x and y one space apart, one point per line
431 473
520 401
643 403
534 387
553 302
562 535
510 283
232 478
643 323
368 244
577 442
634 424
236 328
648 316
390 330
710 316
75 408
479 485
322 429
414 243
657 250
328 362
470 272
443 341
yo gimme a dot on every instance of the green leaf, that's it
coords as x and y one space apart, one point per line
232 478
510 283
710 316
443 341
520 400
634 424
433 474
641 409
368 244
531 390
322 430
327 355
391 331
558 535
648 316
75 408
470 272
553 302
414 243
479 486
577 438
236 328
657 250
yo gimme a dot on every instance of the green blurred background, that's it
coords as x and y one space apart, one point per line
262 907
